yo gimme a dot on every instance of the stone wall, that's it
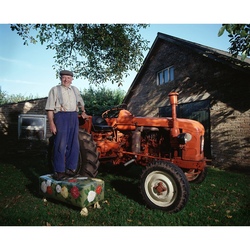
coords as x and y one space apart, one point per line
230 136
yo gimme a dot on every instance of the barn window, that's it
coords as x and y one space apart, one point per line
165 75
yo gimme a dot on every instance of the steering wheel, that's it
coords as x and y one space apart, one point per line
114 112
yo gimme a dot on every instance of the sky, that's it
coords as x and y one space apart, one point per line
27 70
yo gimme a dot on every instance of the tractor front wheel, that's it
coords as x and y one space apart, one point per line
164 186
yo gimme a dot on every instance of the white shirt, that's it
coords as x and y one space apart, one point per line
69 99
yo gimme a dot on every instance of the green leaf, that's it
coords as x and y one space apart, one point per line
221 31
243 55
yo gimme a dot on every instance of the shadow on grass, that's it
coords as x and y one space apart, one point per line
126 182
28 157
131 171
130 189
60 203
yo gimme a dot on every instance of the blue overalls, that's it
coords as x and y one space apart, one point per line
66 143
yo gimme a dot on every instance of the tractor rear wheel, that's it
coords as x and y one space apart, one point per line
88 154
164 186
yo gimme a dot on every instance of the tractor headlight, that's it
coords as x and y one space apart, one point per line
183 138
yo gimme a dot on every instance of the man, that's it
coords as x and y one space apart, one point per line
62 107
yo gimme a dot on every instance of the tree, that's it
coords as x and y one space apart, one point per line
6 98
101 99
97 52
239 38
3 95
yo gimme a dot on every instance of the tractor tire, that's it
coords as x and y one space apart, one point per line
88 154
164 186
196 177
88 162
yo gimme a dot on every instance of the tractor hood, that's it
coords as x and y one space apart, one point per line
126 121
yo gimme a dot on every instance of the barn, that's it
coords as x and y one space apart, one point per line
213 87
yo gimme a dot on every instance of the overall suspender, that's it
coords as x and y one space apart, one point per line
60 97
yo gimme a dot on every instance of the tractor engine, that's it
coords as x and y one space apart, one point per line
110 145
152 141
106 144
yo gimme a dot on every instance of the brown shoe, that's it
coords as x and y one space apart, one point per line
59 176
70 172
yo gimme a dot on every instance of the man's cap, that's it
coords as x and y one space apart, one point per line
66 72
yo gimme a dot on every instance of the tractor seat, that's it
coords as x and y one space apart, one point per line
100 125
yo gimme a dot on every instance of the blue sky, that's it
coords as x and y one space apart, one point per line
27 70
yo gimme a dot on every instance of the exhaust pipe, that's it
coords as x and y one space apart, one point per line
174 103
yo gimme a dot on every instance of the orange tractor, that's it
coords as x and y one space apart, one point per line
170 150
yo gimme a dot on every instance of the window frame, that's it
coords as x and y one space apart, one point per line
161 75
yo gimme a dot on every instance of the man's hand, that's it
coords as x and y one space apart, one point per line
84 115
52 127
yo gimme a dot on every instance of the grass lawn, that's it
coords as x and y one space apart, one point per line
223 199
